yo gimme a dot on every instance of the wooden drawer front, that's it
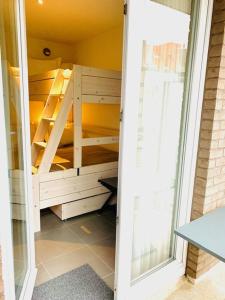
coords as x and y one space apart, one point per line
76 208
72 197
66 186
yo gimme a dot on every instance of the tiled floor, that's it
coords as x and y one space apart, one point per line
65 245
210 287
90 239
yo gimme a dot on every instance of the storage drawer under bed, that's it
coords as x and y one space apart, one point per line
79 207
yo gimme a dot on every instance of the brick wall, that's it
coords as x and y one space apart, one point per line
209 190
1 281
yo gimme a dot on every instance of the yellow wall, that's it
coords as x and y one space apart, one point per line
35 47
102 51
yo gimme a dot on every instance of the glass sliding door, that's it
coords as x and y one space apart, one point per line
10 43
165 60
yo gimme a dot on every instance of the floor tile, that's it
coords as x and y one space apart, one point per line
93 229
210 287
75 259
56 242
109 280
50 221
42 275
82 218
105 249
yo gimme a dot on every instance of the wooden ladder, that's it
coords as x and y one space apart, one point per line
58 91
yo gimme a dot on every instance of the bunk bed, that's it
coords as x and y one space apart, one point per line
66 175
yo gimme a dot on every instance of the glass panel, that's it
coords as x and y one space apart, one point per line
181 5
12 98
158 145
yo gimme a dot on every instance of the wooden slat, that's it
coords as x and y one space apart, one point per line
57 160
101 99
98 168
65 189
78 180
58 175
48 119
77 109
100 141
41 144
70 197
101 72
101 86
98 131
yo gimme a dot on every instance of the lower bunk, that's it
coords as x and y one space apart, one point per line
72 192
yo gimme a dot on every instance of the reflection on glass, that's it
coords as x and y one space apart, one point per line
12 99
160 118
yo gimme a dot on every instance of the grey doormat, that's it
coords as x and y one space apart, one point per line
80 284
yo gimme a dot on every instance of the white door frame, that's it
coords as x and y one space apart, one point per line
149 284
5 209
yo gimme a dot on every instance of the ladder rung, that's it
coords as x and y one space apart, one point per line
41 144
48 119
57 160
56 95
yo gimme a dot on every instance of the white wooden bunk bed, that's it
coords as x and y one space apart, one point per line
66 178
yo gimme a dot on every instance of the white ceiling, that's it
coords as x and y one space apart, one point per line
69 21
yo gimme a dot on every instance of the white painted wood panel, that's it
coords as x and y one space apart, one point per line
71 197
100 72
101 86
100 141
101 99
98 168
58 175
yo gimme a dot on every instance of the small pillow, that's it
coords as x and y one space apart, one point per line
37 66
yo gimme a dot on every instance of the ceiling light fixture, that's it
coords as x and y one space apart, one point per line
41 2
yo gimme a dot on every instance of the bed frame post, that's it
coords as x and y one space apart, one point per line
77 112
